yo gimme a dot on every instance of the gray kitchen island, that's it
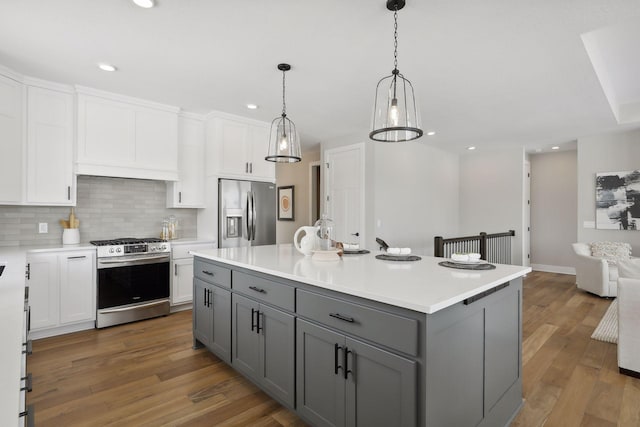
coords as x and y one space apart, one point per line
365 342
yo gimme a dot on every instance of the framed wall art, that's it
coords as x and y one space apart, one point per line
286 203
618 200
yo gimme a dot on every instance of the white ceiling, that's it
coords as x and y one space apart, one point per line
487 73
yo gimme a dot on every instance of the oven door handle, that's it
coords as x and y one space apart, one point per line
132 261
133 307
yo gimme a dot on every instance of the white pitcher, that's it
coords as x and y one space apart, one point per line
308 243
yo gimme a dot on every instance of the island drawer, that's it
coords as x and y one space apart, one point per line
212 273
388 329
266 290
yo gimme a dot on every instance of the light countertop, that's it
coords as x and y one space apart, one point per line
423 286
11 318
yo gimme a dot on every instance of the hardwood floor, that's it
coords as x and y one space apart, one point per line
147 374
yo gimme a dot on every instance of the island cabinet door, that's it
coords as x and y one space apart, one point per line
381 387
277 353
320 384
245 337
202 312
221 328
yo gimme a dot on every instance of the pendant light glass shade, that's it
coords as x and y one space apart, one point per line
395 112
284 144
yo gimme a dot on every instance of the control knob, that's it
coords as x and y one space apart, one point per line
119 250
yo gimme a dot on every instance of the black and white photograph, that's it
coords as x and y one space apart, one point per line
618 200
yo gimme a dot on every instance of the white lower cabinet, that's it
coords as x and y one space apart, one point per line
182 270
62 291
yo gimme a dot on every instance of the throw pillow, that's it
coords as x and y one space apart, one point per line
629 269
611 251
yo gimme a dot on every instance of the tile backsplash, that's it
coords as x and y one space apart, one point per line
106 207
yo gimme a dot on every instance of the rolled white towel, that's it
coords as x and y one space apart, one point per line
393 251
460 257
405 251
474 256
351 246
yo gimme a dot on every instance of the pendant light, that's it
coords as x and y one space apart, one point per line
284 145
395 114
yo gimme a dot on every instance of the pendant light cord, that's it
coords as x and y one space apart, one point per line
395 38
284 105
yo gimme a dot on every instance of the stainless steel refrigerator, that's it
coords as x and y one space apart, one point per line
246 213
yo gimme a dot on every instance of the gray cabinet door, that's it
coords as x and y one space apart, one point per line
380 387
221 327
277 337
320 391
202 313
245 337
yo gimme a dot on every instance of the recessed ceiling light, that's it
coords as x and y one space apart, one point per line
252 106
107 67
555 147
145 3
431 133
471 148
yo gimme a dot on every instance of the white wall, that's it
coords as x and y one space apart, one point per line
491 194
554 208
604 153
416 194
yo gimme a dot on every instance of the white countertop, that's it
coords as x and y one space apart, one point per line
423 286
11 318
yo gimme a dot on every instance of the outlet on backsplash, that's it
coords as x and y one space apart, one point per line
43 227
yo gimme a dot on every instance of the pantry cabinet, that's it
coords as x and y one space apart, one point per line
126 137
62 291
188 190
237 147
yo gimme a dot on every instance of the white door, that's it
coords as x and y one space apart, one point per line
77 286
344 192
44 290
182 281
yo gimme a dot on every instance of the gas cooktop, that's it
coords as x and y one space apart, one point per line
130 246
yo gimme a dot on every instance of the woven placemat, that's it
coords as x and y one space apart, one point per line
398 258
483 266
356 251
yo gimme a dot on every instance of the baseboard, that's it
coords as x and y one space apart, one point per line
181 307
629 372
61 330
554 269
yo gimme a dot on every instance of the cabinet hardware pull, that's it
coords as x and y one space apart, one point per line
259 328
357 234
29 319
251 167
68 192
208 273
175 269
336 367
206 295
28 348
341 317
486 293
27 273
253 312
179 196
29 413
77 257
246 167
28 383
255 288
345 362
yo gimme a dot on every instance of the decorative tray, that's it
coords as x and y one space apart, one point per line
355 251
468 266
387 257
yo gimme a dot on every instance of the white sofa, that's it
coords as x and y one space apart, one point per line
629 318
595 274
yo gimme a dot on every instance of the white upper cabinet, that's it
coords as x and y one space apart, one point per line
126 137
50 178
236 148
188 191
11 136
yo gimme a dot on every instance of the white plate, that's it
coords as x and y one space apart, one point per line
478 261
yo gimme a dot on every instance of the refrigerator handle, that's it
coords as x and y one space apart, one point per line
254 215
248 218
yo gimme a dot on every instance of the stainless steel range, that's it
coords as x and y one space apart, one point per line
133 280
